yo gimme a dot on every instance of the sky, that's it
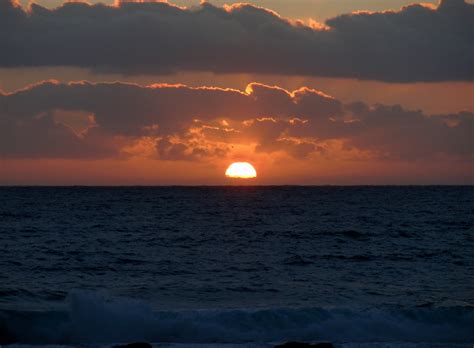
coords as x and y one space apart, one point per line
310 92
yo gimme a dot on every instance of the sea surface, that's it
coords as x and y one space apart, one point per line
237 266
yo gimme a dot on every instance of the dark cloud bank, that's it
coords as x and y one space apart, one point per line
186 123
415 44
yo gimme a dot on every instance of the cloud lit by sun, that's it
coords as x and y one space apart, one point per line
306 91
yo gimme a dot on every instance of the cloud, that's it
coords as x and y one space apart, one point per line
43 137
417 43
393 132
176 122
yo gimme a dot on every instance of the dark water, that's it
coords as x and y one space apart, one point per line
237 264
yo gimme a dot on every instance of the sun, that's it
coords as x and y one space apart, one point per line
241 170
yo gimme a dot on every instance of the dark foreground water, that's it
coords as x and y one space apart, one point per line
237 265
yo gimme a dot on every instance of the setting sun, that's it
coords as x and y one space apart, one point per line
241 170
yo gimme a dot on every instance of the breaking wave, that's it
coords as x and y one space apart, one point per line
94 318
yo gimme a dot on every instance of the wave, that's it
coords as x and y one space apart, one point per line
94 318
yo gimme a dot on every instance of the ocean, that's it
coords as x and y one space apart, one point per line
237 266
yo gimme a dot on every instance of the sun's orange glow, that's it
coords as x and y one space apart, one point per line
241 170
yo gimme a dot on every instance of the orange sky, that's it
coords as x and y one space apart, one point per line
129 133
270 172
138 162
